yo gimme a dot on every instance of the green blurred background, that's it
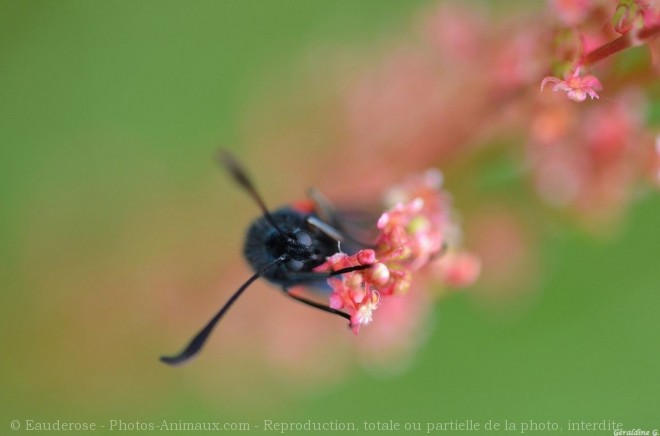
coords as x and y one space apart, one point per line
110 203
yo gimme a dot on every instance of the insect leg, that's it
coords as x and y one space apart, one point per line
315 305
302 278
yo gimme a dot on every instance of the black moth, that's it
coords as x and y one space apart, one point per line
283 247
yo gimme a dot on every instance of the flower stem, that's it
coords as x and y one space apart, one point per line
621 43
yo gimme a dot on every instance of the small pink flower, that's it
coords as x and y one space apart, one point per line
357 291
406 234
575 86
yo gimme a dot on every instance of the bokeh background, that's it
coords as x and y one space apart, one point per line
120 237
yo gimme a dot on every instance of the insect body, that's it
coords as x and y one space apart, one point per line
303 245
283 247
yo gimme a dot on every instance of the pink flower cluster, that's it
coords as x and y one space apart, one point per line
634 22
590 160
413 232
463 95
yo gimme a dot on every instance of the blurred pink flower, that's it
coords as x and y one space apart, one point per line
519 59
505 244
458 269
572 12
591 170
655 162
456 31
552 121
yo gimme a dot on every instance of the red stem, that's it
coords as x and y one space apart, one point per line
607 50
649 32
621 43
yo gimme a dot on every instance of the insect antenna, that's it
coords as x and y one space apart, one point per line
198 341
240 176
